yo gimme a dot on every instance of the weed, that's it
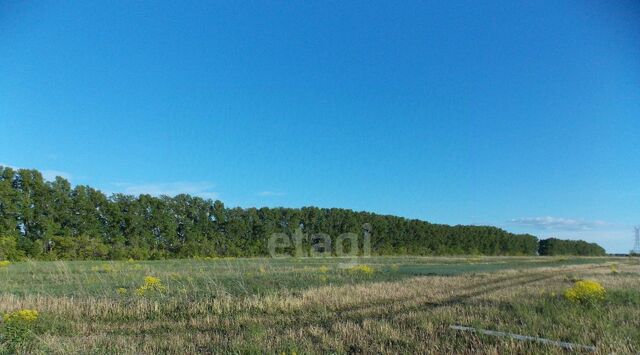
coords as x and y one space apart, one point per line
586 292
152 285
17 328
362 270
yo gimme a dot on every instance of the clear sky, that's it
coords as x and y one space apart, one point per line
519 114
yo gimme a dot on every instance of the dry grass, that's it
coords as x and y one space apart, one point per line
406 316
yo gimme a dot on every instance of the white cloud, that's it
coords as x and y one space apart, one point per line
47 174
51 174
270 193
202 189
558 223
8 165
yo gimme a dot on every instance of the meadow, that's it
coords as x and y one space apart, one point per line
319 305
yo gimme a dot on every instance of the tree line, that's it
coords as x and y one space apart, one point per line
553 246
52 220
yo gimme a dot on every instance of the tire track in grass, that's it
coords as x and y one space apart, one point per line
482 287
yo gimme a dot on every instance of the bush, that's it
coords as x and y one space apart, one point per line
585 292
16 327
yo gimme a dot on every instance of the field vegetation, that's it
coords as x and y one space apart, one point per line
319 305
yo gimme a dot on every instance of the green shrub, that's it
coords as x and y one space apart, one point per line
9 249
17 328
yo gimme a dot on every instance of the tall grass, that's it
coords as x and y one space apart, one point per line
320 305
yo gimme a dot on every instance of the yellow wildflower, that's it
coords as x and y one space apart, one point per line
362 269
151 284
585 291
614 268
22 316
4 263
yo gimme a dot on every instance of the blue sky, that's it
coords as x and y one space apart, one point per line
523 115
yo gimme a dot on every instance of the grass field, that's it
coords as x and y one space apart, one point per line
385 305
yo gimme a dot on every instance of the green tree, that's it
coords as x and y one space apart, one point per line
9 249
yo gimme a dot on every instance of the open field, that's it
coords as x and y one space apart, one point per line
394 304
